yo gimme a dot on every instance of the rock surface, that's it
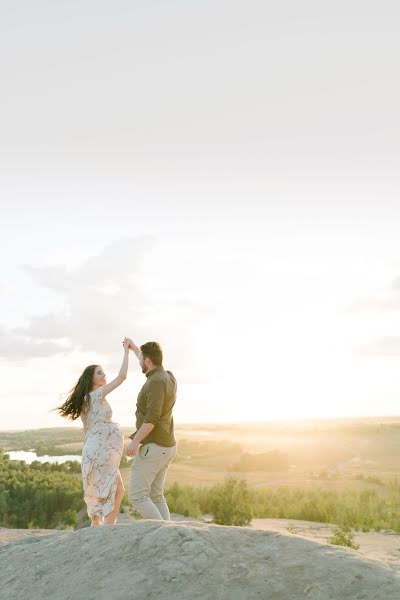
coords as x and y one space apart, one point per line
187 560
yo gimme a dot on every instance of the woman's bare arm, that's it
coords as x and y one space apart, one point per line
120 378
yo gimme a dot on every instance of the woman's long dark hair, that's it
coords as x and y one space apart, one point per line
72 407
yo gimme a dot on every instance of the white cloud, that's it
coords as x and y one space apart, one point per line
387 300
109 296
388 303
375 314
385 346
14 347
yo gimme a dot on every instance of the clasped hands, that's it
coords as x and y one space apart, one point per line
128 343
133 446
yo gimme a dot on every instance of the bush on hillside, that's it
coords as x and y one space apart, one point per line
232 503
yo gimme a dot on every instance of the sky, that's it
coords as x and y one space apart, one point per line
222 177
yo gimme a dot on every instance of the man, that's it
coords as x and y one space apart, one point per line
153 444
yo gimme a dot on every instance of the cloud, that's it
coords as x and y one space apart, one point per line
385 346
377 305
387 301
17 348
109 296
383 304
396 284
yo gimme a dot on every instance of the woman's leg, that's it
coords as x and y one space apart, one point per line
111 518
96 520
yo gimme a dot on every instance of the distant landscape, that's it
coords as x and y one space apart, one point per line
338 471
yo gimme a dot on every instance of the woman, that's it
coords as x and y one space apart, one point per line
103 446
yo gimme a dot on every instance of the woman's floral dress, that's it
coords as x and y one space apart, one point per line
101 455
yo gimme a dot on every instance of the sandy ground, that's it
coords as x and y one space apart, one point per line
381 547
187 560
11 535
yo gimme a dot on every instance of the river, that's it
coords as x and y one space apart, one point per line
30 456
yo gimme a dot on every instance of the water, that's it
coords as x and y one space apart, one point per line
30 456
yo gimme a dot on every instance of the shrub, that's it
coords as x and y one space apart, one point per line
343 536
231 503
184 500
70 518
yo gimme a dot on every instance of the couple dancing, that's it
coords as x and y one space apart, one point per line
153 445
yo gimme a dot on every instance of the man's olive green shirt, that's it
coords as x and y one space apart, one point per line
154 405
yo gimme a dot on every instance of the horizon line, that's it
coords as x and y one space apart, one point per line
231 423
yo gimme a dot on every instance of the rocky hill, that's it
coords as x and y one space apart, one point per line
186 560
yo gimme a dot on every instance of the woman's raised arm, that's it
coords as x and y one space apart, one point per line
120 378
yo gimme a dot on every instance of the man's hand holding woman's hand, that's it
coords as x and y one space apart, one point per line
130 342
133 448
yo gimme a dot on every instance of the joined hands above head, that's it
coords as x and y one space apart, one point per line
129 342
132 346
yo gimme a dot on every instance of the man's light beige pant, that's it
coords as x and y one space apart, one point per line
146 488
